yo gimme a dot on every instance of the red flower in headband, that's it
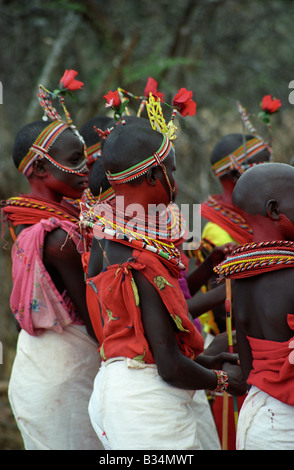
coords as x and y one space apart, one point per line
112 99
270 105
183 102
68 81
151 87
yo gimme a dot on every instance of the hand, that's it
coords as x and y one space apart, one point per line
219 253
220 344
217 361
237 384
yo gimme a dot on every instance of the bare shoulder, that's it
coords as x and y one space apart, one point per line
58 244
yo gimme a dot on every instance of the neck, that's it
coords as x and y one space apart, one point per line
265 229
145 196
227 186
39 189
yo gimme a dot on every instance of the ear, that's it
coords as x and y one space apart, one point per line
40 168
272 209
151 176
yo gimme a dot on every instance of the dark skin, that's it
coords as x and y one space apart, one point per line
202 302
215 297
61 258
261 303
269 303
173 367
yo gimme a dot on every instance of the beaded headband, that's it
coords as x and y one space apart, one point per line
41 145
141 168
237 158
48 136
93 152
182 103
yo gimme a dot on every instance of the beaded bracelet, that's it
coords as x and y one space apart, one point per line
222 380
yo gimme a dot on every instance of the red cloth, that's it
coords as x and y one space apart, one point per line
227 217
217 410
30 210
272 370
116 296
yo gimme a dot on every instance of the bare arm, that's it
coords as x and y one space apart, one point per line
64 265
204 271
174 368
202 302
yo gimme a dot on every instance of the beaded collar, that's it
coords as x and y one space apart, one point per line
256 258
107 221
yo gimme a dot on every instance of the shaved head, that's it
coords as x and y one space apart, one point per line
262 183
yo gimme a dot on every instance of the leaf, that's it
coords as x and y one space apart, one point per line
161 282
179 323
102 353
135 291
140 357
110 316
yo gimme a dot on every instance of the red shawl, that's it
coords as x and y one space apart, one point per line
227 217
114 296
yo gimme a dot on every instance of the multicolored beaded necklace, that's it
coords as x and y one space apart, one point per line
107 221
256 258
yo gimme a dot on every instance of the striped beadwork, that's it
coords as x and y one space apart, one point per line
256 258
142 167
239 156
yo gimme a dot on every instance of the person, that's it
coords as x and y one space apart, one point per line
149 343
93 141
56 357
223 222
263 306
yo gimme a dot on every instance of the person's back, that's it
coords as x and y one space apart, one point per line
262 274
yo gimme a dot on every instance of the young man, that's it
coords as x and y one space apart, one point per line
263 306
57 357
143 393
229 158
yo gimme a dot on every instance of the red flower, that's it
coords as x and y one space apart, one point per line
270 105
184 103
68 81
151 87
112 99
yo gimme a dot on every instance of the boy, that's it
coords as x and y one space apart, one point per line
263 306
148 378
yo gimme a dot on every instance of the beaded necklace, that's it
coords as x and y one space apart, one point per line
28 210
256 258
107 221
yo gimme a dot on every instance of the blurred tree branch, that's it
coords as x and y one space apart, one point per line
52 62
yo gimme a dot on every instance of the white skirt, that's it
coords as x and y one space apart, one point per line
50 386
265 423
132 408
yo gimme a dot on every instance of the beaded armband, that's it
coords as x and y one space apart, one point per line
222 381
